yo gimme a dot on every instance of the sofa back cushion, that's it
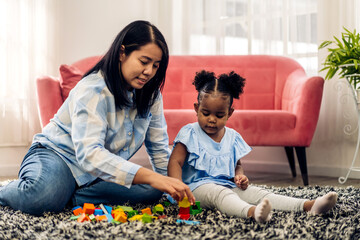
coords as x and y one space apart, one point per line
265 78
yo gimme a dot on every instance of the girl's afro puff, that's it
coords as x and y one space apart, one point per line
231 83
203 78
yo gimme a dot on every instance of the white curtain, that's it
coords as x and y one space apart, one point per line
337 130
24 35
277 27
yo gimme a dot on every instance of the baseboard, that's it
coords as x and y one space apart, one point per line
283 168
9 170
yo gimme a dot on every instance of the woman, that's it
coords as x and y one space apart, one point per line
81 155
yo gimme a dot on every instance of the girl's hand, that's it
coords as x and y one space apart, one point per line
241 181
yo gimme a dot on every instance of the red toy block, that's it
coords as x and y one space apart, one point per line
89 208
184 216
184 210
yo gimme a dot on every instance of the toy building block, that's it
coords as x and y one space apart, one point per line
158 209
106 209
88 208
120 217
98 211
92 217
146 218
135 218
162 217
184 216
183 210
75 217
195 209
166 203
109 217
83 217
171 199
132 213
187 222
100 218
125 208
184 203
147 211
77 210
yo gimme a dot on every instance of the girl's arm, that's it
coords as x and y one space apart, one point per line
176 161
240 179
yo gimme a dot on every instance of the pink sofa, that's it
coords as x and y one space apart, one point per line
280 105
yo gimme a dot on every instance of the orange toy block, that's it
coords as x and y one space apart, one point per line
89 208
78 211
83 218
100 218
147 211
120 217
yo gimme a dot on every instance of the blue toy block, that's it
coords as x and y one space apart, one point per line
173 201
98 212
187 222
109 217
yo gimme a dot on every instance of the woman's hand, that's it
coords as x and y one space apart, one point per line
176 188
241 181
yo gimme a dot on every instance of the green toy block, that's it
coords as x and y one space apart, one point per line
74 217
195 209
146 218
158 209
125 208
132 213
166 203
92 217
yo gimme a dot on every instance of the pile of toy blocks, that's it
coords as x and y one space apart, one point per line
122 214
119 214
186 209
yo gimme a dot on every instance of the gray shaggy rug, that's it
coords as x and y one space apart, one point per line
340 223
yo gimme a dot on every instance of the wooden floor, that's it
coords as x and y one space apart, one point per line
283 180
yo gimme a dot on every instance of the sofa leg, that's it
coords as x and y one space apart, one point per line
290 156
301 155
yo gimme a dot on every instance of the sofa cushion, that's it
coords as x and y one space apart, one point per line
69 77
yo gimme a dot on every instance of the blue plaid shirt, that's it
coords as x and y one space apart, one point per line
96 140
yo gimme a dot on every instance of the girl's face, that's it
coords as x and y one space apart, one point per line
213 111
140 65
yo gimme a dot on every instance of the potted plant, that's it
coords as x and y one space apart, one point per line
344 58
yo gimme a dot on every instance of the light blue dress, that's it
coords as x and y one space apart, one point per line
209 161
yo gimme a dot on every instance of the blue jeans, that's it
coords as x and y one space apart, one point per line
46 184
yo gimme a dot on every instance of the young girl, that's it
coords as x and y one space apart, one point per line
82 154
206 156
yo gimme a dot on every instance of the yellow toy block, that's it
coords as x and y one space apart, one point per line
120 216
147 211
158 208
135 218
184 203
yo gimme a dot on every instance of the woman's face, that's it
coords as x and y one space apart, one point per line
140 65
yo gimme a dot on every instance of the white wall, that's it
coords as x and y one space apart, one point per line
87 27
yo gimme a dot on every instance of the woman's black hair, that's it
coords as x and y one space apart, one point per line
231 84
132 37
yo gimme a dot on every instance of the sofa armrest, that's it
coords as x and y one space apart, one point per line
48 97
302 96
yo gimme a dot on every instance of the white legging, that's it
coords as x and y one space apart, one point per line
237 202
